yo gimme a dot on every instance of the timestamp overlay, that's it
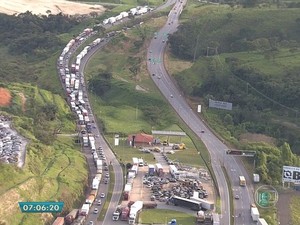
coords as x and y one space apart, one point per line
41 207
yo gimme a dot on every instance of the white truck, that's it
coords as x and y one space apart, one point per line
84 211
261 221
254 213
134 210
117 213
204 204
95 184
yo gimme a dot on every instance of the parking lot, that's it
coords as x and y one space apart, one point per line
158 189
12 145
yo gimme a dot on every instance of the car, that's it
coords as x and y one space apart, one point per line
237 197
107 175
106 168
102 195
99 202
91 223
202 131
96 210
106 181
171 96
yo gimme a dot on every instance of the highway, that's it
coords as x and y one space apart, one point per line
110 157
215 147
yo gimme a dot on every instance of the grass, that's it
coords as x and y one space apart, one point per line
295 207
56 172
153 216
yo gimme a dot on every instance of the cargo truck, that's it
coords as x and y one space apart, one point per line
242 181
84 211
135 208
90 199
261 221
117 213
95 184
254 213
71 216
79 221
127 191
125 213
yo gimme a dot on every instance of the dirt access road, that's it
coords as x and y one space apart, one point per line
44 7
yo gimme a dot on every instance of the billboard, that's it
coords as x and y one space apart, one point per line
291 174
219 104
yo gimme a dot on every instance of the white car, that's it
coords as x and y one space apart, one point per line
102 195
96 210
99 202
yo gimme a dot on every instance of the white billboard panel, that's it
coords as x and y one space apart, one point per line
219 104
291 174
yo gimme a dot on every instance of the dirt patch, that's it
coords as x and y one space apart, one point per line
9 203
248 137
283 206
23 101
139 88
5 97
45 7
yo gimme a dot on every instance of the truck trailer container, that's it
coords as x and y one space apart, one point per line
95 184
59 221
187 203
69 219
254 213
261 221
90 199
135 208
125 213
126 192
135 161
151 170
79 221
159 169
84 211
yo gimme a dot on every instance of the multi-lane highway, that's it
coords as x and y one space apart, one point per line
214 145
216 148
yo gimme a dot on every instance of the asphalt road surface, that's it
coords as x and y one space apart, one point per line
216 148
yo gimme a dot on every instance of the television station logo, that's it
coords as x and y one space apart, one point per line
266 196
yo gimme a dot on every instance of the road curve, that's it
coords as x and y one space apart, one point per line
215 147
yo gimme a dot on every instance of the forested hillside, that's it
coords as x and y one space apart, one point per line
249 57
55 170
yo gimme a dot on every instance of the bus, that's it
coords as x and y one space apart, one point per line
242 181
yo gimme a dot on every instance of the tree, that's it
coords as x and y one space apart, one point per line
286 154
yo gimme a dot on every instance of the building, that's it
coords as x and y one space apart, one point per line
141 139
